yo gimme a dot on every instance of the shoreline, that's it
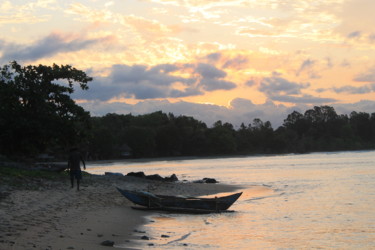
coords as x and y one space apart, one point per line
54 216
182 158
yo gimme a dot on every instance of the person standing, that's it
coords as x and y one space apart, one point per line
74 165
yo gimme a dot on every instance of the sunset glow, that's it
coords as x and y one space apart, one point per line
247 59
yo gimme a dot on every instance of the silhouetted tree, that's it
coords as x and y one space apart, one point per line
36 111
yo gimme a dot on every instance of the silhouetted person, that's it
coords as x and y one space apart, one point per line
74 165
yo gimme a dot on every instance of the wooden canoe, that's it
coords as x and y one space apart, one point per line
150 201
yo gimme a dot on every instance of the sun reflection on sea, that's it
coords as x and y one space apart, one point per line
321 200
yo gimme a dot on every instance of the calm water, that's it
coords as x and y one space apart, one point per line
320 200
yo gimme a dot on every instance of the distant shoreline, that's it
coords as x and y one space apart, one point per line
182 158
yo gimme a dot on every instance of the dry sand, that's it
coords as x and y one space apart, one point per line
58 217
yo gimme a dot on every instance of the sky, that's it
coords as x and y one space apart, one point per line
228 60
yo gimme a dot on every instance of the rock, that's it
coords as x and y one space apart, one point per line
209 180
137 174
107 243
172 178
145 237
165 236
206 180
198 181
155 177
113 174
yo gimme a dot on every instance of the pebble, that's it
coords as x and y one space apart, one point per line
108 243
137 231
145 237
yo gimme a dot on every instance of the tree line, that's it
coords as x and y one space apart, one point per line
37 115
161 135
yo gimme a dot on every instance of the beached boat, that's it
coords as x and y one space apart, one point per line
149 201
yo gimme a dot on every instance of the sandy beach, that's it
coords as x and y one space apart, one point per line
55 216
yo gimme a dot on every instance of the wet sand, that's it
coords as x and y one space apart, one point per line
54 216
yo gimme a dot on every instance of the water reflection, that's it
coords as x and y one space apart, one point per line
291 202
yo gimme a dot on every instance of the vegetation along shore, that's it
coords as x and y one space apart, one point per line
40 119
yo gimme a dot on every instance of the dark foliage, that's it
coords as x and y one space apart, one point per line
159 134
38 115
36 111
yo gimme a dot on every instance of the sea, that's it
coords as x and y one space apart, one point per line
295 201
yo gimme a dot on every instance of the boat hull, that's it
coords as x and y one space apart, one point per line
163 202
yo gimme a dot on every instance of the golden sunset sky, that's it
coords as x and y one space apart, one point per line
228 60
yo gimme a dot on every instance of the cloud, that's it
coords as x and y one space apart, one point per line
308 67
48 46
368 76
354 34
228 61
355 90
209 71
160 81
250 83
151 28
236 62
349 89
252 32
329 63
11 13
357 19
158 75
272 86
137 81
240 110
308 99
214 57
211 78
282 90
215 84
367 106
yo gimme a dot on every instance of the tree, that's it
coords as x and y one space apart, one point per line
36 110
361 124
221 138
